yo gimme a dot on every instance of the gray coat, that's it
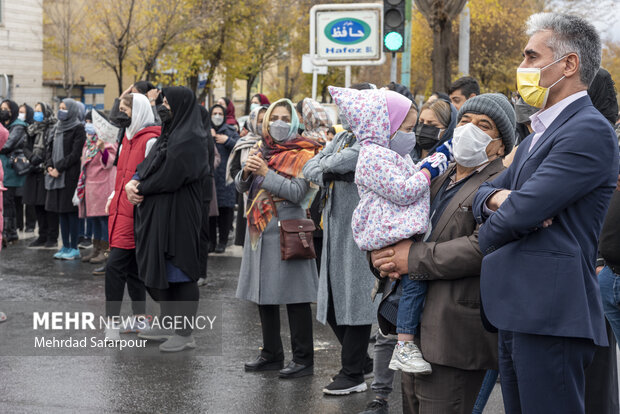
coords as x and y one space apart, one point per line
342 262
264 278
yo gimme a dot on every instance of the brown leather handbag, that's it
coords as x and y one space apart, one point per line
296 241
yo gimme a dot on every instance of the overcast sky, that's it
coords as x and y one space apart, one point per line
604 14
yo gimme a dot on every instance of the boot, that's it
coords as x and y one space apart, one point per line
10 230
102 255
94 252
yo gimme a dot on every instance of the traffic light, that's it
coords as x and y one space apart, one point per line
393 25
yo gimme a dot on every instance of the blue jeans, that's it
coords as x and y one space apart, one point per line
485 391
100 227
610 293
410 306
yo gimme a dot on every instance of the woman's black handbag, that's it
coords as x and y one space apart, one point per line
20 163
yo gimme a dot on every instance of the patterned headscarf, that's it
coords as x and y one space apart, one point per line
316 120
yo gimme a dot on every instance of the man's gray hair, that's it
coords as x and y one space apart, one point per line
571 34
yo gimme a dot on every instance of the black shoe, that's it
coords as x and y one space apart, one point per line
29 229
99 271
51 244
343 385
376 406
221 248
262 364
294 370
211 247
85 243
38 243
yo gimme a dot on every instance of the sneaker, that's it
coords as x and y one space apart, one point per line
37 243
220 248
376 406
135 325
71 254
343 385
85 243
178 343
51 244
202 281
60 253
99 271
29 230
157 334
408 358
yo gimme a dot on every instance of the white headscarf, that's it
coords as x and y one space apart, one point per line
141 115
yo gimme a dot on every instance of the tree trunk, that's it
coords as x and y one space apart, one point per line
442 39
248 90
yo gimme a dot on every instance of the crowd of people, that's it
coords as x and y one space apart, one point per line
467 228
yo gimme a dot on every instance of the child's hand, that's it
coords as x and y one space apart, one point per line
436 164
446 149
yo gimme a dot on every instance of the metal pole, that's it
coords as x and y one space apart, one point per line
464 42
405 68
347 76
315 77
394 68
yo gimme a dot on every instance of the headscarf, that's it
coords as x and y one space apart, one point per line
398 107
316 120
144 86
602 91
58 151
286 159
82 113
217 128
29 114
39 130
141 115
180 154
14 111
229 112
245 143
262 99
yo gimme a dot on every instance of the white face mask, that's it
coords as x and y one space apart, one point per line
469 145
21 117
217 120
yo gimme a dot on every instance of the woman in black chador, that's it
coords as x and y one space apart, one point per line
167 191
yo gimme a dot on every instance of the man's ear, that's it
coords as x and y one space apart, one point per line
572 65
471 96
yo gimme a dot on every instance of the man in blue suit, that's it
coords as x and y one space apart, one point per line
541 221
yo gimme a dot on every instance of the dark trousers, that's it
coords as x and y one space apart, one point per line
122 268
31 217
445 390
69 229
543 374
48 224
180 299
9 214
221 223
354 342
300 324
602 379
204 239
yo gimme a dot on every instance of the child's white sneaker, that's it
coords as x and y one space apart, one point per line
408 358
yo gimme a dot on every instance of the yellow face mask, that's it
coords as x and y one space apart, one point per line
528 84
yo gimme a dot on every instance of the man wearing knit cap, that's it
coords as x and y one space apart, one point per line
540 221
452 337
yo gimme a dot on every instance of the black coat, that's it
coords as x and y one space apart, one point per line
34 187
241 224
60 201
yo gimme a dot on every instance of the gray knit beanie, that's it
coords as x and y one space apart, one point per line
497 107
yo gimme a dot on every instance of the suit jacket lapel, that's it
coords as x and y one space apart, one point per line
470 187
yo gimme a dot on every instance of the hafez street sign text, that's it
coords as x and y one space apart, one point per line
346 35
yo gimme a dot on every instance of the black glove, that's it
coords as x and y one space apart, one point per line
347 177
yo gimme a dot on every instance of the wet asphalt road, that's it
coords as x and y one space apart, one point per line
185 382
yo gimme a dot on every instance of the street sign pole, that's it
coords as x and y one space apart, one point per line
347 76
394 68
405 71
315 77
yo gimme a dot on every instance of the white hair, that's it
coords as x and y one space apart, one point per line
571 34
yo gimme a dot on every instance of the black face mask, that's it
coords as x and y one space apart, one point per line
122 120
427 136
164 114
5 115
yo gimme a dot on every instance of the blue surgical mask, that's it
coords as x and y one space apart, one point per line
90 128
38 116
63 114
254 106
280 130
403 142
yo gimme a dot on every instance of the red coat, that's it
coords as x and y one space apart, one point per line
120 222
